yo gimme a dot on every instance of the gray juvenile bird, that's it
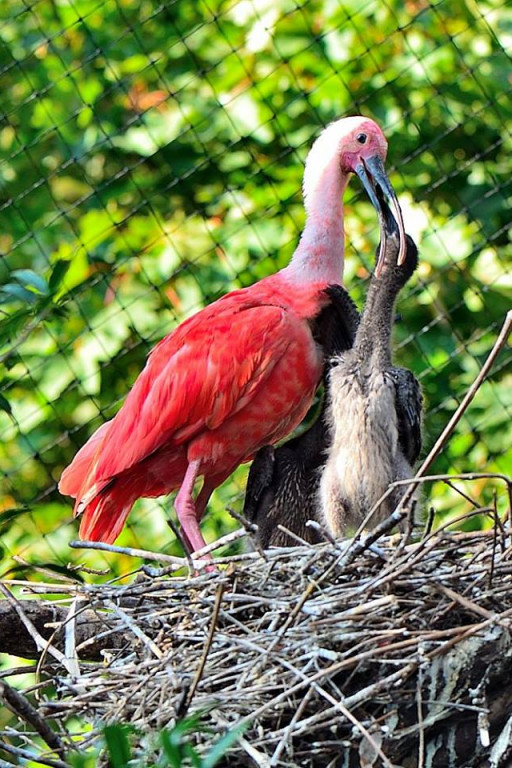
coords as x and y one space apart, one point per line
373 409
282 487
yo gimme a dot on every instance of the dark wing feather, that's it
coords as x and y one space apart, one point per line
336 325
261 476
409 408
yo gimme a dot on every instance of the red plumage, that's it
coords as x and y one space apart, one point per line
215 390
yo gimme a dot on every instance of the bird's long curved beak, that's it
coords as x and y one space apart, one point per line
372 173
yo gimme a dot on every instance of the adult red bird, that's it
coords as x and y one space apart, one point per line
239 374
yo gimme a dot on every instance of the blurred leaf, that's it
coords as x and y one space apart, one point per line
11 291
222 745
4 404
118 745
59 271
29 278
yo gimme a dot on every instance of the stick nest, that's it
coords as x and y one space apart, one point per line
399 656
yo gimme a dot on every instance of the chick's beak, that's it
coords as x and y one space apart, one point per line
373 175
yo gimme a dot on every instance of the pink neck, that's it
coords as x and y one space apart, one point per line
319 255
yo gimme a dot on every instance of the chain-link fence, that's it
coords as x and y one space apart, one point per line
151 160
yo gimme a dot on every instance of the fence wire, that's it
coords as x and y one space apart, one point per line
151 157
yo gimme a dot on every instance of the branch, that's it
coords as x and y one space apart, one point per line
91 638
22 707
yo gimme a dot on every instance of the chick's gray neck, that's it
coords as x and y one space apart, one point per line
372 347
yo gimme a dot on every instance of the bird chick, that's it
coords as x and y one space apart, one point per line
282 487
374 407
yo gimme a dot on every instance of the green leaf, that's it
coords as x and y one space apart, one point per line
59 270
11 291
28 277
222 745
118 745
5 405
83 760
171 750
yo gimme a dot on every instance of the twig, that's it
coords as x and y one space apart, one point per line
209 640
356 547
240 533
22 707
179 562
469 605
70 639
250 529
179 537
137 631
288 731
26 755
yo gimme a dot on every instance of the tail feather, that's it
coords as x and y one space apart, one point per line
105 503
104 517
73 481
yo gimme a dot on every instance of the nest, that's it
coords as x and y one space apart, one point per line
339 654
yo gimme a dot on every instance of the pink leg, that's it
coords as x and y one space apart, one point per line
203 497
186 508
200 505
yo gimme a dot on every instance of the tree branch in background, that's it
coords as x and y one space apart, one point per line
91 637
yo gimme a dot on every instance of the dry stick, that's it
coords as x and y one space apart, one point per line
497 526
469 605
340 707
46 571
209 640
179 562
123 616
25 754
250 529
70 638
177 532
352 719
289 728
22 707
419 709
355 549
465 496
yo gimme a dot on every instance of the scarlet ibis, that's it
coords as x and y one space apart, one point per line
374 407
239 374
282 486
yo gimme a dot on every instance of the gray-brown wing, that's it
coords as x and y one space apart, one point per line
409 402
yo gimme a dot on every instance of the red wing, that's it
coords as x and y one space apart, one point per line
73 476
194 379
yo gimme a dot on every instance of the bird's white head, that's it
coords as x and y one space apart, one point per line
352 139
350 145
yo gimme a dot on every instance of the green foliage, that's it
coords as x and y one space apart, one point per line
170 748
150 162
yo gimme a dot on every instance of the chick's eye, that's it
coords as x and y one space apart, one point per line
361 137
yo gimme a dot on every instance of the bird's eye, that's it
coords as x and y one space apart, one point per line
361 137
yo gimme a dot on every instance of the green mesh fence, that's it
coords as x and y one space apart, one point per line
151 157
